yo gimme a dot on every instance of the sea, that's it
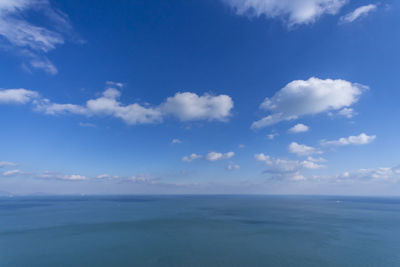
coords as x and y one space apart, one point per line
199 230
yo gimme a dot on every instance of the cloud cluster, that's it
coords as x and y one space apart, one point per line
29 39
294 12
308 97
361 139
359 12
183 106
286 169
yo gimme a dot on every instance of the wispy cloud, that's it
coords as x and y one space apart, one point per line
191 157
87 124
30 40
176 141
6 164
15 172
358 13
293 12
59 176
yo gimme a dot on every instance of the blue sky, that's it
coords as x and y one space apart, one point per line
215 96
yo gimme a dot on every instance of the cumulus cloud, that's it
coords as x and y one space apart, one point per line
283 168
214 156
184 106
189 106
358 13
30 39
299 128
302 150
191 157
232 167
17 96
293 12
308 97
60 176
176 141
361 139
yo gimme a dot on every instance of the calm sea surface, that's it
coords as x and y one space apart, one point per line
199 231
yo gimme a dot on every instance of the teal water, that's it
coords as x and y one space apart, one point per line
199 231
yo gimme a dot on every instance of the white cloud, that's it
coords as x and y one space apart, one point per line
373 174
294 12
6 164
189 106
361 139
214 156
17 96
299 128
302 150
107 176
44 64
359 12
272 136
142 179
284 168
59 176
316 159
191 157
176 141
130 114
30 40
184 106
312 96
12 173
232 167
347 112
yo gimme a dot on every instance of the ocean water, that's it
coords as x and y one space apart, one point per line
199 231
